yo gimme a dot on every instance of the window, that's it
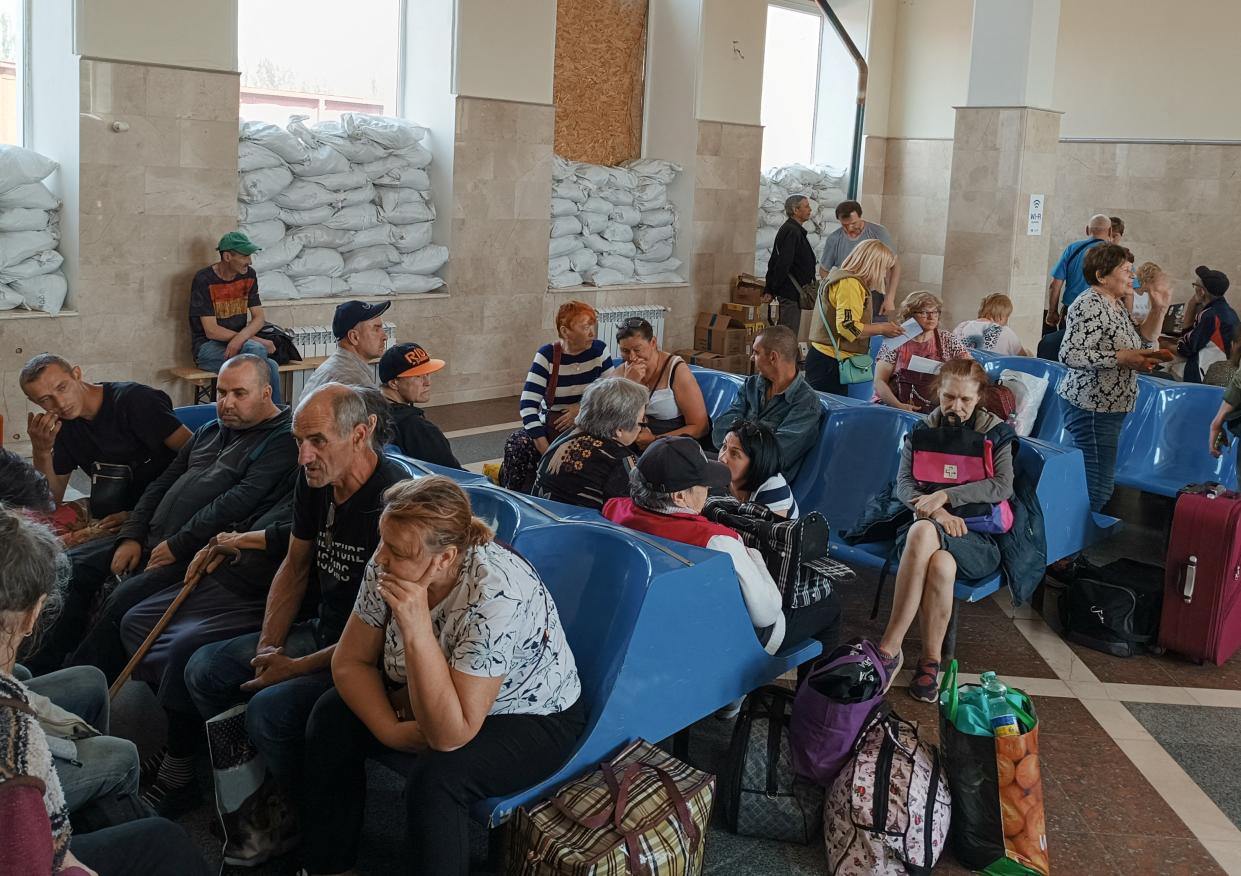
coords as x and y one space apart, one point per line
317 58
790 85
12 74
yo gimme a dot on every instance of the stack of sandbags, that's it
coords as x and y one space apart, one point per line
338 207
30 274
823 185
612 225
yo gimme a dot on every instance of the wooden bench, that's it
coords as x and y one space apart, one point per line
203 382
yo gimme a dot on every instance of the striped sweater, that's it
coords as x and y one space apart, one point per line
576 373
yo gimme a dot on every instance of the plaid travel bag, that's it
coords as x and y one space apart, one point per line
643 813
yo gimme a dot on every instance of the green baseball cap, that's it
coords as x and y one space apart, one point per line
235 241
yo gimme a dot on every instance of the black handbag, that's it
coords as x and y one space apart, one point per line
1114 608
111 489
286 350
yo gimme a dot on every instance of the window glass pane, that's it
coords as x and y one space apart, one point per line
10 70
790 82
311 57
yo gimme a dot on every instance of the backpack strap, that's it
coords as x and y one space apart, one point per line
549 397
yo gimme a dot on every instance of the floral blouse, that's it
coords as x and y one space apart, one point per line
500 620
1097 328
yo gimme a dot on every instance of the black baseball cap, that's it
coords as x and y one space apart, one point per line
406 360
1215 282
351 313
678 463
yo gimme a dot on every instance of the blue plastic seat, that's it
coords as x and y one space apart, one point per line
195 416
718 389
419 469
1049 425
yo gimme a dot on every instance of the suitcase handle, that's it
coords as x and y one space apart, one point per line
1191 571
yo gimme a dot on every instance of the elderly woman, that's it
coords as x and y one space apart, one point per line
840 328
937 547
591 464
990 330
454 666
899 382
752 455
675 405
668 491
1104 351
36 831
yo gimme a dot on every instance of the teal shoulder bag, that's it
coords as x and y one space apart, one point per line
854 368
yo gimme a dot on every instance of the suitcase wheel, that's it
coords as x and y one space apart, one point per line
1157 650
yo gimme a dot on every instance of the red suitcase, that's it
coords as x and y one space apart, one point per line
1201 616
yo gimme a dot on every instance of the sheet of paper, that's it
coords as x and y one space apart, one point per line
923 365
911 329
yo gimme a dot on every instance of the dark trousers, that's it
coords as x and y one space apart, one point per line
146 847
823 373
91 563
819 620
790 314
509 753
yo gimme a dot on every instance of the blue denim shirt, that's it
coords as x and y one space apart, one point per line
794 415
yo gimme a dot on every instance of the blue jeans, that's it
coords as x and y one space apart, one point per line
1096 435
277 715
210 357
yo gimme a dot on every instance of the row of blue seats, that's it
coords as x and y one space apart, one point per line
1163 443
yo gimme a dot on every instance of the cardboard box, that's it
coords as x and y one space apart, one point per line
735 364
719 333
753 330
748 289
744 312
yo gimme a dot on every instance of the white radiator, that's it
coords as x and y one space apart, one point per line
610 319
317 340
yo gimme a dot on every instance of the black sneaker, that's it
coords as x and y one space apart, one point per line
172 803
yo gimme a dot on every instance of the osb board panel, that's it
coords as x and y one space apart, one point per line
597 90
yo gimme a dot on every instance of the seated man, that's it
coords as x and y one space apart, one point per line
226 314
232 470
778 396
1214 328
88 425
337 501
405 374
359 331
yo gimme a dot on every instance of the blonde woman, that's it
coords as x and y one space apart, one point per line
1138 300
840 326
990 330
899 381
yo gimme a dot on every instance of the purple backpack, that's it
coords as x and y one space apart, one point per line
833 706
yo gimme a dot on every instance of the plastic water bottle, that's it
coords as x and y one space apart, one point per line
999 710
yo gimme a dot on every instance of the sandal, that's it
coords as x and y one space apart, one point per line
925 684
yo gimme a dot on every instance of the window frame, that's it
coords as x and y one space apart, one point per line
810 8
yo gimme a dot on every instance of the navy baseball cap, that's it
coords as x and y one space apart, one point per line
351 313
677 463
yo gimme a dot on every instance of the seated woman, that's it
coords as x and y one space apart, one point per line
752 455
454 666
36 836
591 464
900 384
668 491
676 406
990 330
937 548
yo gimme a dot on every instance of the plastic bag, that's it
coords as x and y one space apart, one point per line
1029 390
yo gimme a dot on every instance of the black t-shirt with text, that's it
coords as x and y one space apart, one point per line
229 301
344 538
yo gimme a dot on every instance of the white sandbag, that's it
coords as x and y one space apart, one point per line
653 168
321 235
427 260
276 256
562 168
761 258
371 258
814 240
564 280
616 197
45 292
566 225
605 277
595 204
320 287
647 269
36 266
339 181
263 234
659 218
376 235
275 286
303 218
765 238
583 259
617 263
252 156
618 231
321 161
24 219
257 212
355 218
405 177
625 215
659 252
772 220
376 169
300 194
374 282
316 261
563 207
10 298
559 265
333 134
647 236
569 191
17 246
651 196
408 238
353 197
391 197
664 277
1028 391
593 223
594 174
620 178
415 156
36 196
601 245
21 167
263 184
560 246
275 138
414 283
386 131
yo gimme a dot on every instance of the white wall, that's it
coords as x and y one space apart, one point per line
880 48
428 100
731 85
179 33
505 49
931 64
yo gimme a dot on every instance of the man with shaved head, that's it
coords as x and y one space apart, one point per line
336 505
1067 278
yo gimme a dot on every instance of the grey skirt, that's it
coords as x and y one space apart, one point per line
976 553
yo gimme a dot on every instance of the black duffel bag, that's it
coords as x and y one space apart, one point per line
1114 608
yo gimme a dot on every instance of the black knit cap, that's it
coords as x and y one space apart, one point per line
1215 282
